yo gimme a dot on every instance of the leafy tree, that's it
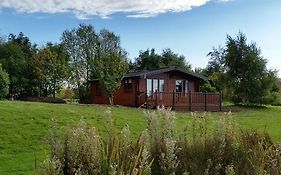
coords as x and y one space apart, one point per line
80 44
171 59
207 87
241 69
110 63
15 57
4 83
149 60
216 61
50 71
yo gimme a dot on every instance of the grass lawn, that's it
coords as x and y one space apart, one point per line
24 127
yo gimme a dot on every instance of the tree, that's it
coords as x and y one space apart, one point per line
149 60
110 63
216 61
4 83
15 57
242 70
80 45
50 71
170 58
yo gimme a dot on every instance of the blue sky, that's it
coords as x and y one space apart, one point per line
190 28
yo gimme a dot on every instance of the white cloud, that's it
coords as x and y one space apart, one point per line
104 8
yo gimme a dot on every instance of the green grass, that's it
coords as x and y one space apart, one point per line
25 126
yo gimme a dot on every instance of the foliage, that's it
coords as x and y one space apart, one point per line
25 125
196 149
80 44
15 57
110 63
50 71
170 58
207 87
66 93
84 151
240 70
4 83
149 60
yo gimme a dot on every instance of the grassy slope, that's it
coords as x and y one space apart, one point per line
24 127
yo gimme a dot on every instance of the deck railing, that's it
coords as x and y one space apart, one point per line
192 101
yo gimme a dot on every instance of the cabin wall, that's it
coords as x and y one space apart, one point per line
170 82
142 85
121 96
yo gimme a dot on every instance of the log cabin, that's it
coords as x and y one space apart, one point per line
169 87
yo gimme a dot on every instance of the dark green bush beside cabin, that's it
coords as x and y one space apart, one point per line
170 87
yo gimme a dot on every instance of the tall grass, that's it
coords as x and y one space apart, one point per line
222 148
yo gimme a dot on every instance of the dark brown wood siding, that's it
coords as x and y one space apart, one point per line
121 97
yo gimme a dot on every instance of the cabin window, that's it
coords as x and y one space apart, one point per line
181 86
128 85
149 87
153 85
98 89
161 85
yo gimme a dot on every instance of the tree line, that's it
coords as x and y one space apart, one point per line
84 54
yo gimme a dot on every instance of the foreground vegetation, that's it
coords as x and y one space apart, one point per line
25 127
196 149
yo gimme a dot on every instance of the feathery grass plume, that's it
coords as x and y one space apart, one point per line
199 148
229 170
168 159
161 125
83 151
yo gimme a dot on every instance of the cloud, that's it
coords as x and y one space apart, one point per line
83 9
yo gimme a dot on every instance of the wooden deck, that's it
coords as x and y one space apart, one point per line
180 101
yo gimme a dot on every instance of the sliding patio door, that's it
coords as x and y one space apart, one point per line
153 85
182 86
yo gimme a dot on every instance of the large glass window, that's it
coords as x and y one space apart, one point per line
161 85
181 86
185 85
155 85
149 87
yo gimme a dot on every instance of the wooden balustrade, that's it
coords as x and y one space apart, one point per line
192 101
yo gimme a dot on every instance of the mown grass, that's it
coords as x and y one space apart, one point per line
24 127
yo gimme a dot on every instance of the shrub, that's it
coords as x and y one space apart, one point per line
207 87
198 148
4 83
84 151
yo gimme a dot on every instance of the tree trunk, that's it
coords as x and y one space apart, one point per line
110 98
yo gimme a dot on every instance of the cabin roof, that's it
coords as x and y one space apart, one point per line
145 73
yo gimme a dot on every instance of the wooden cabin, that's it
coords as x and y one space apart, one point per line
170 87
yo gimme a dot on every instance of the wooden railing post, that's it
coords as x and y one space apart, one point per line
189 100
173 107
205 101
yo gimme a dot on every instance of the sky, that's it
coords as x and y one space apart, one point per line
189 27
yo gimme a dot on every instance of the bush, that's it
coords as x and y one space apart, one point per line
66 93
4 83
84 151
198 148
207 87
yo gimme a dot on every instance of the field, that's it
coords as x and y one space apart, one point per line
25 127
